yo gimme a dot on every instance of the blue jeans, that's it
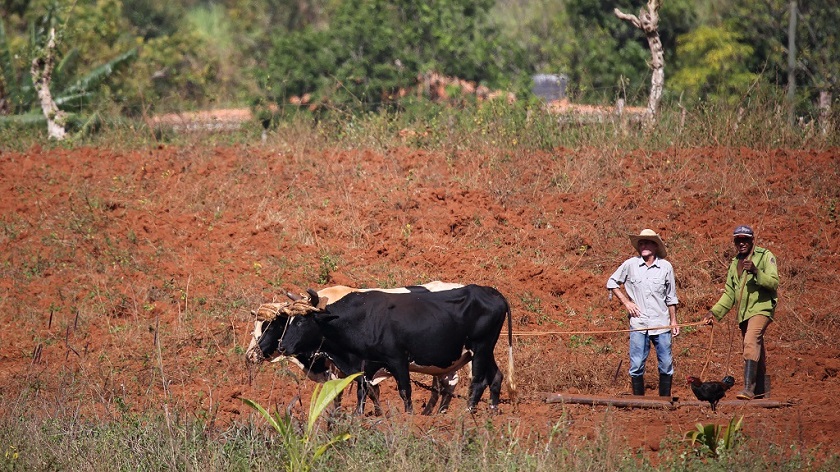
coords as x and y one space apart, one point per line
640 342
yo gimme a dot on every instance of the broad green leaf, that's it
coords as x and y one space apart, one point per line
323 448
93 79
324 395
65 69
271 420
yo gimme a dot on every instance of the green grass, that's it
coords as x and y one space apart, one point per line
174 440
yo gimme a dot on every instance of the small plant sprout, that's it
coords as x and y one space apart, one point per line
302 449
714 439
328 265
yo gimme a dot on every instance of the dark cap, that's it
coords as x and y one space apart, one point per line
744 231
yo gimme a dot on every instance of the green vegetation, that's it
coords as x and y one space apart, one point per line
178 441
715 440
302 449
72 94
374 49
356 57
758 121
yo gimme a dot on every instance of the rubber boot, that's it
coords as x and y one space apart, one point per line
665 385
750 371
761 382
638 382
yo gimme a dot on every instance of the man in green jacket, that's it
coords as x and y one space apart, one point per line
751 285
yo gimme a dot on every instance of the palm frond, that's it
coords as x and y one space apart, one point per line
95 78
65 69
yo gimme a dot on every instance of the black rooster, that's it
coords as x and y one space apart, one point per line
711 391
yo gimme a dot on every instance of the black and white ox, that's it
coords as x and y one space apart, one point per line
392 330
321 367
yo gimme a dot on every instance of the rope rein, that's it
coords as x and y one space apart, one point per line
545 333
696 323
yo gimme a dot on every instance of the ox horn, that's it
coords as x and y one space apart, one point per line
313 296
293 296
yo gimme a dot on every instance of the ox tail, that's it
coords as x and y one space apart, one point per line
511 381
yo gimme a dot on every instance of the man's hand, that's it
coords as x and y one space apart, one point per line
633 309
709 319
675 331
750 267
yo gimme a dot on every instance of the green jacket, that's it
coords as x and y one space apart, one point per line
753 294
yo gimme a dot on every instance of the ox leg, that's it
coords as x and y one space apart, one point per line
447 383
403 379
361 394
433 398
485 373
496 390
368 389
373 393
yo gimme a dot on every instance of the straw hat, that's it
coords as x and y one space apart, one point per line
650 235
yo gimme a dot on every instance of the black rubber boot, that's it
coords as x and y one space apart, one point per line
761 383
750 371
638 382
665 385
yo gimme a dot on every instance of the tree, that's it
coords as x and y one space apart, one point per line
47 83
712 65
764 26
607 59
372 49
819 49
648 22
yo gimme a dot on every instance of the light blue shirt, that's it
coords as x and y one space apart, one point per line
652 289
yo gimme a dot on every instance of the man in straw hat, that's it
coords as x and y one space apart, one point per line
751 284
651 302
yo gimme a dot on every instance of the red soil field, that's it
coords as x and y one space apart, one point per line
128 277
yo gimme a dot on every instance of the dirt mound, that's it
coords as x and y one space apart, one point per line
128 276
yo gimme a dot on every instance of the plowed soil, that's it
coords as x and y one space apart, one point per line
128 277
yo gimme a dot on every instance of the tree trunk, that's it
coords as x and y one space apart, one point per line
825 112
41 70
648 22
791 91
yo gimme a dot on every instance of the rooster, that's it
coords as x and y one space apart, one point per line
711 391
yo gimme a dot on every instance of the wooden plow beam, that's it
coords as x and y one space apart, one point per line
628 401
